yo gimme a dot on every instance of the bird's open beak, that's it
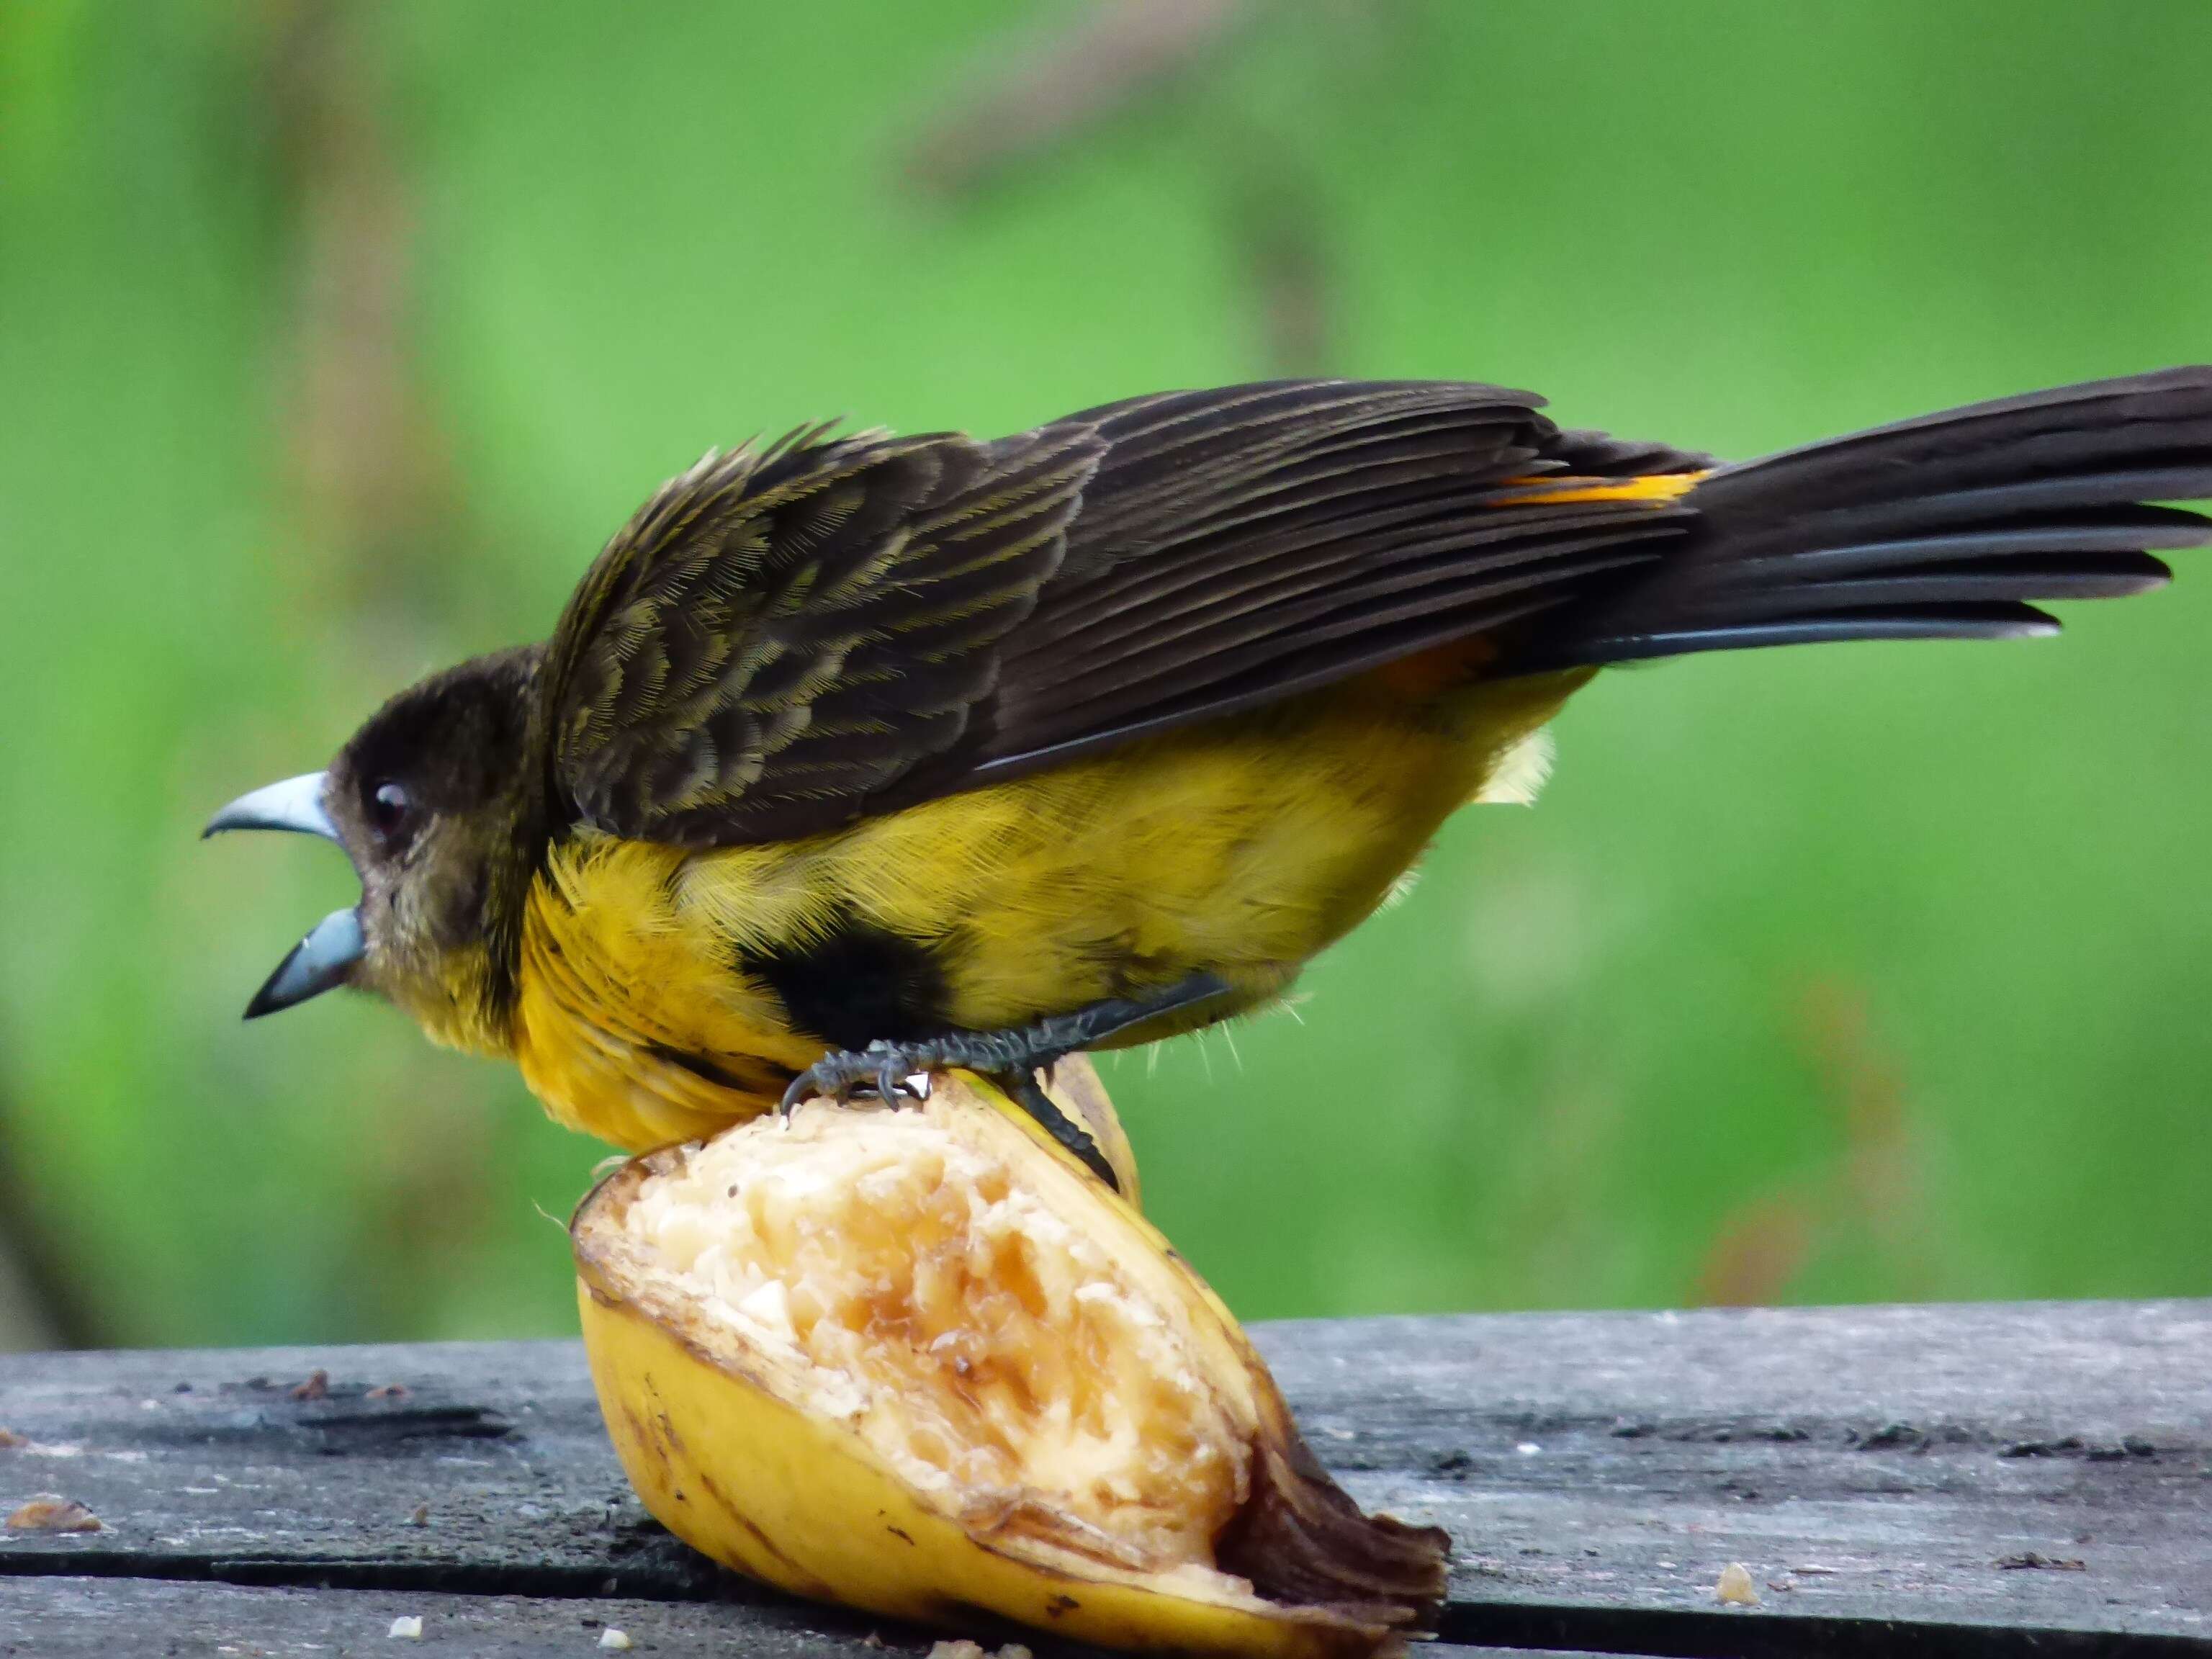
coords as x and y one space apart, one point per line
296 804
326 957
316 963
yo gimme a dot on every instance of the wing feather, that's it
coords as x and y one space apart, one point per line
785 638
783 632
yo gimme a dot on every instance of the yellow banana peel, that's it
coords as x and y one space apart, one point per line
920 1361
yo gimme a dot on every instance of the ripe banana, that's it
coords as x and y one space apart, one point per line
921 1362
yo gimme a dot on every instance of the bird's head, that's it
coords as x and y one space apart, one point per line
432 801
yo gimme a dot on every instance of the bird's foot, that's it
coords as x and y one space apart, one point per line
1011 1059
890 1070
886 1070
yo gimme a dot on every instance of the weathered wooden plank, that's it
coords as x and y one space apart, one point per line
1913 1459
1875 1468
104 1618
461 1466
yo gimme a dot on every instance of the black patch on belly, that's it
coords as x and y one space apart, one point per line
855 984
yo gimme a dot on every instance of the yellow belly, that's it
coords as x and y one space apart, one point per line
1241 847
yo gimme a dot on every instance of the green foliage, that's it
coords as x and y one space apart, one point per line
334 340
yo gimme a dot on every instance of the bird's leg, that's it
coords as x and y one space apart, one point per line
1012 1059
1026 1092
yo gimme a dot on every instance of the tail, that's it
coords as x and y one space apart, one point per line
1945 527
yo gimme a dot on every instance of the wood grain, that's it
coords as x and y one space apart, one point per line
1952 1480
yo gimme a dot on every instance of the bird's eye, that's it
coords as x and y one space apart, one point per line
390 811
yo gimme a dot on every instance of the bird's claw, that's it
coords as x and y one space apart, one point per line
887 1069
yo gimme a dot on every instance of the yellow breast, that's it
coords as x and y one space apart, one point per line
628 1023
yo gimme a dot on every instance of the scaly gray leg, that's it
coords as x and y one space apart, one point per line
1012 1059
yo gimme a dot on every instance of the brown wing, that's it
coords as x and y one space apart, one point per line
781 635
781 642
1239 545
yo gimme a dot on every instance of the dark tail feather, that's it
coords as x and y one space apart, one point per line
1944 527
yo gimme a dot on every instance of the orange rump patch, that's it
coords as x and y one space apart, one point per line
1657 488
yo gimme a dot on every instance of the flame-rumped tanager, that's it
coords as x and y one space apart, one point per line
856 756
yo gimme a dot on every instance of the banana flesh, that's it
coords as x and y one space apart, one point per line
921 1362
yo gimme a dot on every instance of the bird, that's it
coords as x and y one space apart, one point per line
855 756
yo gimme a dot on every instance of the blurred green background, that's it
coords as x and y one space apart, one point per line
335 337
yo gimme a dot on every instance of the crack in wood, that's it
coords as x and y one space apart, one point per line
1649 1634
1639 1633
